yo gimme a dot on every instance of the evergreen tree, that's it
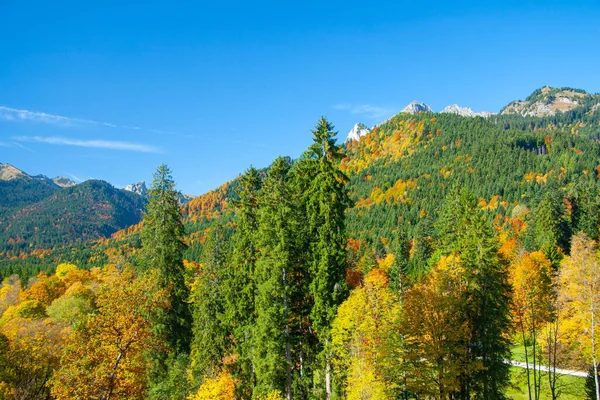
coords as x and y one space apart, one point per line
275 274
549 225
588 210
211 339
422 249
239 287
465 233
399 270
162 250
326 203
162 237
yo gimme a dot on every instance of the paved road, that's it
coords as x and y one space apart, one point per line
545 369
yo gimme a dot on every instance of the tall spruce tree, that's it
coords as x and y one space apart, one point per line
162 249
464 232
239 287
211 339
275 274
326 203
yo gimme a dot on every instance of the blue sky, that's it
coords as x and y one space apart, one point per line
111 89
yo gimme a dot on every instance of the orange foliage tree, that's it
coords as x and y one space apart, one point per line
105 357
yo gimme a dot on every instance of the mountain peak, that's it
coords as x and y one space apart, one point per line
465 111
63 182
548 101
415 107
8 173
359 130
138 188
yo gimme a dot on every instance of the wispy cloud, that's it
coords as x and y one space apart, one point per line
99 144
23 147
75 178
371 111
14 114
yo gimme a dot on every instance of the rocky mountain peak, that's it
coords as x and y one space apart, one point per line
548 101
359 130
8 173
465 111
139 188
415 107
63 182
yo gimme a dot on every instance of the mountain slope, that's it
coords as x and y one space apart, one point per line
18 189
91 210
402 170
549 101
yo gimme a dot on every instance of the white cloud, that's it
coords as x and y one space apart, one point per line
75 178
371 111
13 114
23 147
99 144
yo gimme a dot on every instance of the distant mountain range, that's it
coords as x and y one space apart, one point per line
39 212
141 189
400 171
547 101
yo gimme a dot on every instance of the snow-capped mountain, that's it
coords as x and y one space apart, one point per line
415 107
139 188
465 111
359 130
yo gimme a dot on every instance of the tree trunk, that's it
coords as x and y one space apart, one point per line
552 340
328 376
526 360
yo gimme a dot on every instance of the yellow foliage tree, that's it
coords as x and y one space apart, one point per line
531 308
360 333
30 352
435 331
221 387
106 355
580 292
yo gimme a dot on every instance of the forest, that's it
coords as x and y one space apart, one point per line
416 263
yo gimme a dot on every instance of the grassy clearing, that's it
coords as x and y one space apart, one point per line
571 387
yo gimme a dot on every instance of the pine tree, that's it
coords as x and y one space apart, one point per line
326 203
239 287
275 274
162 249
211 338
399 270
421 249
464 232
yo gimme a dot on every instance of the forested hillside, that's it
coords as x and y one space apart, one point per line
414 263
40 216
400 174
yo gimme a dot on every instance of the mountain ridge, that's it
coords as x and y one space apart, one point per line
543 102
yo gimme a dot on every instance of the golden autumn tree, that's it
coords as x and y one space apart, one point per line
105 357
45 289
436 331
531 308
580 292
221 387
359 336
29 354
9 293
